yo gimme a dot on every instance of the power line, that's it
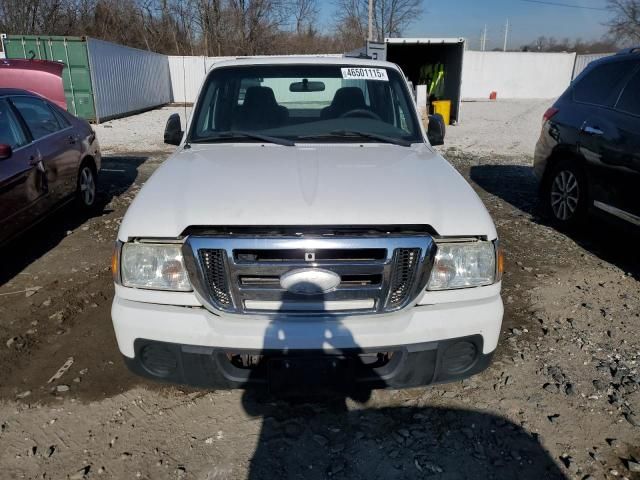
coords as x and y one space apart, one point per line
568 5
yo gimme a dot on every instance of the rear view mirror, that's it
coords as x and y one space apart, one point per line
306 86
436 130
5 151
173 131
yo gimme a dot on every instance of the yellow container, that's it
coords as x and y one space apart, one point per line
443 107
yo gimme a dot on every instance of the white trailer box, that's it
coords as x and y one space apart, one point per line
412 54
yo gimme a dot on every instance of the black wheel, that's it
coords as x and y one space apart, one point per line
565 194
87 188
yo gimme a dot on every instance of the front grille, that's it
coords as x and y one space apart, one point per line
242 274
405 262
215 273
300 255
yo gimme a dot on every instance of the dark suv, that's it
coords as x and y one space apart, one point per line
588 154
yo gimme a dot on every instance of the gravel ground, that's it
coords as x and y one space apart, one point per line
141 133
503 127
561 400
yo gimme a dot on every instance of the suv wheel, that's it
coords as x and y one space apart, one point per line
565 194
87 187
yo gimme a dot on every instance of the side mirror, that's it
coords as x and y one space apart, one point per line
436 130
173 131
5 151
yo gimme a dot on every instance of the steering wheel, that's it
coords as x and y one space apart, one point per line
361 112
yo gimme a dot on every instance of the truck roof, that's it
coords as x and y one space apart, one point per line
305 60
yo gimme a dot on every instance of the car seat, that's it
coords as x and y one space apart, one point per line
344 100
260 110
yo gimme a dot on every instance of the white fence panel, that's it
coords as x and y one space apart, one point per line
126 80
582 61
510 74
516 74
187 74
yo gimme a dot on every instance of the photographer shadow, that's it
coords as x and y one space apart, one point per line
317 423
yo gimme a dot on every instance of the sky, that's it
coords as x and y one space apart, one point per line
528 21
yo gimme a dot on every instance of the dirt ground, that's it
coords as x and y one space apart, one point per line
561 399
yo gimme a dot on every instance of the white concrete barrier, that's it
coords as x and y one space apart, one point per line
510 74
187 74
516 74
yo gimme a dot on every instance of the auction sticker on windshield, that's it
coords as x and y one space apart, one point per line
352 73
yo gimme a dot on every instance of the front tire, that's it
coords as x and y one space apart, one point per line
565 195
87 188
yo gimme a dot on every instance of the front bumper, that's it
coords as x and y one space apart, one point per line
198 341
303 371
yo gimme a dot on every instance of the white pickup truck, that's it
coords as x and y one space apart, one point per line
306 231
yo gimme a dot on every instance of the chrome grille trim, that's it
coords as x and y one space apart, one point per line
216 277
404 272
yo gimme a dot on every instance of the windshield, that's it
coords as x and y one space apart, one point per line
309 103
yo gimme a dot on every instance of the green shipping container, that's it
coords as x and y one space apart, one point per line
72 51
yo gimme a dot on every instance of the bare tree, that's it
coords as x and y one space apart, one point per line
305 14
255 24
208 27
352 22
625 25
210 19
30 17
390 17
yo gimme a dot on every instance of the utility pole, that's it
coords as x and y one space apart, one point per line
483 39
370 36
506 36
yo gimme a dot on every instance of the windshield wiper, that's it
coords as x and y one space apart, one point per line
357 133
242 134
374 136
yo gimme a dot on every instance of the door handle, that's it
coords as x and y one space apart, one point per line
72 139
36 161
592 130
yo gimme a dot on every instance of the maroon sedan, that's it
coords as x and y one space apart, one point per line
48 157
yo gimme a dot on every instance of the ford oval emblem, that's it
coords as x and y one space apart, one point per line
309 281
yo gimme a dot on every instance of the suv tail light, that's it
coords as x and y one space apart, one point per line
549 114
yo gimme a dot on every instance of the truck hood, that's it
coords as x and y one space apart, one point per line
346 184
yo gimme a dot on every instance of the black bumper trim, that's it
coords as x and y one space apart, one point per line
408 366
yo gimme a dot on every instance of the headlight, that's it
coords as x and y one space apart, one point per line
465 264
154 266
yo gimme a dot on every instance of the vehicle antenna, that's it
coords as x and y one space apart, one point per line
184 97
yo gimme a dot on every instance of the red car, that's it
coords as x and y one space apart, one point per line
48 157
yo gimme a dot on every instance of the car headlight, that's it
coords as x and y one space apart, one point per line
465 264
153 266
